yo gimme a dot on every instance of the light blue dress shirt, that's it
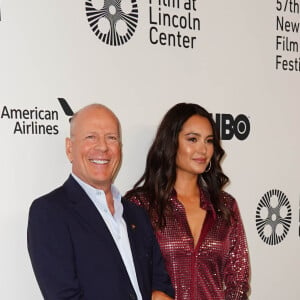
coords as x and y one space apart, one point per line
116 226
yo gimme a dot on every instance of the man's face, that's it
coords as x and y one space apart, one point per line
95 147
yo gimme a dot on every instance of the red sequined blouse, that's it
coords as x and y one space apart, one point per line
218 267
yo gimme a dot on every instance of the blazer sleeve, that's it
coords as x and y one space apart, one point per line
50 249
160 278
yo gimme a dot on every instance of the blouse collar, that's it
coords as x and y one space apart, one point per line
205 202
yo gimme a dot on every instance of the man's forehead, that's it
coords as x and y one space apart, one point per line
95 116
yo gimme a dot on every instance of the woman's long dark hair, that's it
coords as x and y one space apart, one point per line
160 173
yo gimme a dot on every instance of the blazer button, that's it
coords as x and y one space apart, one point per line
132 296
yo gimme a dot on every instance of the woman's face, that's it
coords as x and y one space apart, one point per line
195 146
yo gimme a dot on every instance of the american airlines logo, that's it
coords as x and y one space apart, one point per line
66 107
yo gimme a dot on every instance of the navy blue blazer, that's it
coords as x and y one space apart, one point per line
75 257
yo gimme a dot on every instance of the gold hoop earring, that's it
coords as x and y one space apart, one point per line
208 167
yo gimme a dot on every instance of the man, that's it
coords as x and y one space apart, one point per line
84 241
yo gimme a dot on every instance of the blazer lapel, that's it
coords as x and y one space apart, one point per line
85 208
79 201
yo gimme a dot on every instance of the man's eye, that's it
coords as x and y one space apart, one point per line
90 137
112 138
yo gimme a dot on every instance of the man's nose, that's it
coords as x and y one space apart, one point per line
101 144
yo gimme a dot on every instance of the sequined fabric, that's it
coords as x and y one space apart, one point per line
218 267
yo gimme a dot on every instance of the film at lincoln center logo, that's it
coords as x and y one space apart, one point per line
115 22
273 217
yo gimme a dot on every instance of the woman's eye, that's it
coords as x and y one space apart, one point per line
210 141
192 139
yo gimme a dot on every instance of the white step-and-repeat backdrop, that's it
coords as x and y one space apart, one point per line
239 59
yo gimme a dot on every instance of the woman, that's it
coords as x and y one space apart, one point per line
197 224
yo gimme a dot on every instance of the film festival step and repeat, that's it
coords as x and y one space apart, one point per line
238 59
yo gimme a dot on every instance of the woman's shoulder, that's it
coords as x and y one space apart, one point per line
137 196
228 200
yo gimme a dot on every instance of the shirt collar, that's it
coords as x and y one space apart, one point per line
93 192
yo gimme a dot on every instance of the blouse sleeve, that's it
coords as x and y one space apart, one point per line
237 268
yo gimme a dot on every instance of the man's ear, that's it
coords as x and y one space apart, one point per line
69 149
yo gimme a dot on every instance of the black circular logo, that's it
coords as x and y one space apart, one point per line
115 22
273 217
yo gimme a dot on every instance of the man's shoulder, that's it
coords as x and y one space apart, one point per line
130 205
54 198
133 210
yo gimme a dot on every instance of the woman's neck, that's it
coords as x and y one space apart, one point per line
186 185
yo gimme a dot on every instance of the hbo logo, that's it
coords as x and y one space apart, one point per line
229 126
